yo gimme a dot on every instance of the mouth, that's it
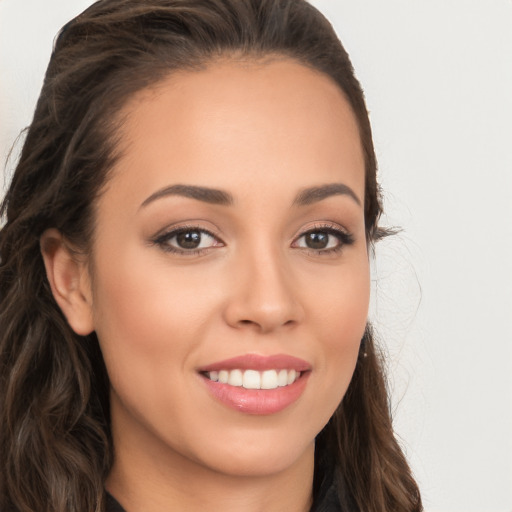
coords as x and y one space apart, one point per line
255 384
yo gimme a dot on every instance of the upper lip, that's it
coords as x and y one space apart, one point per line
259 362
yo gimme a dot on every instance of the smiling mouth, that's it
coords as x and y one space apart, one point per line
254 379
257 384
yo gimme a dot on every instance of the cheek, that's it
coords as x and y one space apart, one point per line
340 304
342 310
145 316
146 298
151 323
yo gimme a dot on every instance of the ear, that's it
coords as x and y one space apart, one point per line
69 281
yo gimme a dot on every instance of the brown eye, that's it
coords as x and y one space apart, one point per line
188 239
317 240
320 240
323 240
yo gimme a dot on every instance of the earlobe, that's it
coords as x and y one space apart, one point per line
69 281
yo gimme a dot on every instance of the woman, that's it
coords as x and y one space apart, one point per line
184 271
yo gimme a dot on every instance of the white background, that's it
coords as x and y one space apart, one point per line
438 80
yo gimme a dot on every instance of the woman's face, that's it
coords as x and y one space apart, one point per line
229 256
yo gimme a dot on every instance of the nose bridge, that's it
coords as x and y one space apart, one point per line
263 293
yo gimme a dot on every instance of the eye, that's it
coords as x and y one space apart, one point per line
324 239
188 240
318 240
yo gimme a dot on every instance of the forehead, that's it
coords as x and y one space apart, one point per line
238 123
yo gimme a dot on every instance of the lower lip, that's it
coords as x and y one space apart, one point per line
258 401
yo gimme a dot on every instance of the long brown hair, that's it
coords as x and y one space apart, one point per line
55 440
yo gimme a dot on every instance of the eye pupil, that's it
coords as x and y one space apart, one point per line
317 240
189 239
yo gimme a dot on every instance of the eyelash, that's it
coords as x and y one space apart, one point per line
163 240
344 238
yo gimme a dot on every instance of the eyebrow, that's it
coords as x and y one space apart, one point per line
314 194
220 197
205 194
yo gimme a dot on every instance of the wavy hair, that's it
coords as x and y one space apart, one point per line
55 439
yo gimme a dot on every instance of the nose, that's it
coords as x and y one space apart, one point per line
262 295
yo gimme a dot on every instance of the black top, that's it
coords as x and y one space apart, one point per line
112 504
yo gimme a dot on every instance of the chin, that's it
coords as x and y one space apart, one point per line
262 461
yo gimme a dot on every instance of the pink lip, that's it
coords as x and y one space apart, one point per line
258 401
260 363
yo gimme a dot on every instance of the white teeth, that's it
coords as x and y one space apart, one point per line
253 379
282 378
269 379
235 378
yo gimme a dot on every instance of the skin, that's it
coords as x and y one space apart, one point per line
263 132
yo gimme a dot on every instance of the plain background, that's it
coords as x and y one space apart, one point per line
438 81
